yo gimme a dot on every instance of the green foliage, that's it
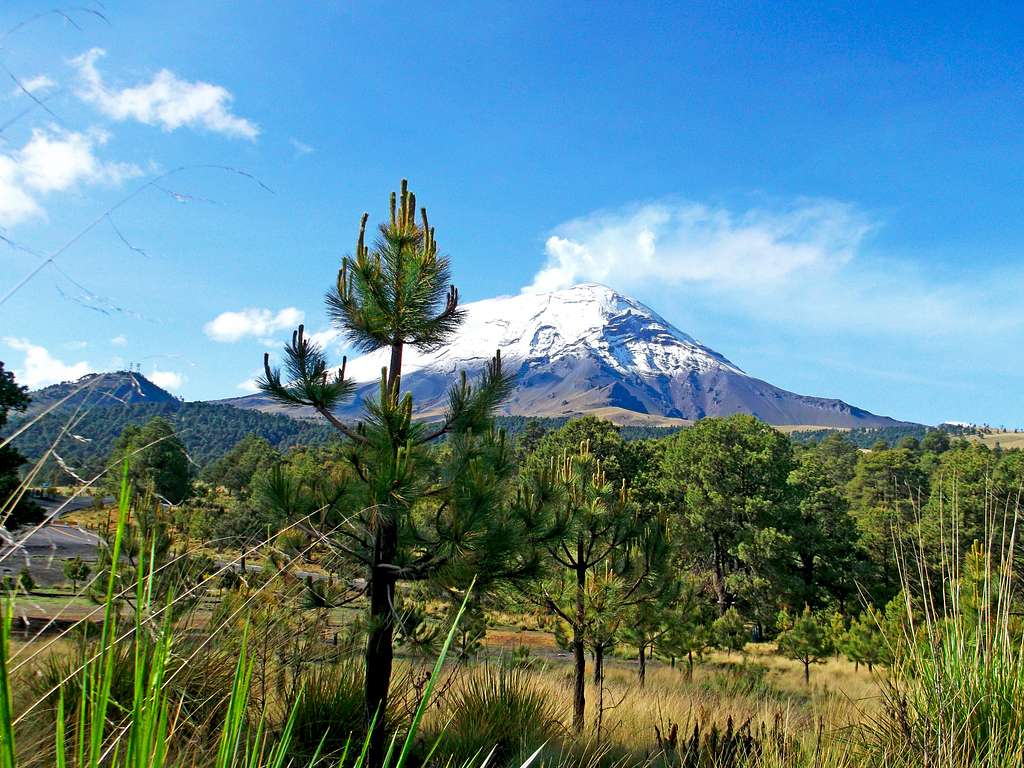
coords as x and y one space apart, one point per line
884 492
16 509
76 570
730 631
864 642
207 430
726 479
235 470
823 534
329 712
158 459
412 512
594 548
603 442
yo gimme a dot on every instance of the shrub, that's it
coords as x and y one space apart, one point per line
497 707
330 709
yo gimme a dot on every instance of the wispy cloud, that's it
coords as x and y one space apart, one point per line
301 148
40 368
695 243
248 386
166 101
257 323
35 85
119 341
802 264
54 160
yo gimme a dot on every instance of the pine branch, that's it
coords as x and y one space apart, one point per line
309 381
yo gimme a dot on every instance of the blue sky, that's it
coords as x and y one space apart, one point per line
830 196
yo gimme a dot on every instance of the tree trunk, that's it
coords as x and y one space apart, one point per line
598 664
395 369
380 641
807 674
643 664
719 578
689 665
579 700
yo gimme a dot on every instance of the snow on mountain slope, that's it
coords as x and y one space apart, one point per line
585 319
589 349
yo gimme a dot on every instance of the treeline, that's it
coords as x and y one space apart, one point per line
868 437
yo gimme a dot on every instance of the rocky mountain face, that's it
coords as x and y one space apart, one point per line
589 349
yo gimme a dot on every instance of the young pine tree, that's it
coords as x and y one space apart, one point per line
807 639
598 529
863 642
414 513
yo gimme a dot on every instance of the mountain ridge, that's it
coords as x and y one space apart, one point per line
586 349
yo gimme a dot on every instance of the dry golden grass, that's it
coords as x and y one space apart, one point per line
1004 439
839 694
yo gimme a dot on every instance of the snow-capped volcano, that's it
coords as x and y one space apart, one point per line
541 328
589 349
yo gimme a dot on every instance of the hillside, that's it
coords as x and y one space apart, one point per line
208 430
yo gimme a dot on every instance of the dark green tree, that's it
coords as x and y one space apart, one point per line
864 642
726 478
936 441
157 460
601 436
823 534
236 468
76 570
887 488
413 513
730 632
16 509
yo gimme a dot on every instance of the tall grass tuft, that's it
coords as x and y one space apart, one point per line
955 695
498 708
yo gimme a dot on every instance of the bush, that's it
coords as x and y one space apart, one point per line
500 708
330 709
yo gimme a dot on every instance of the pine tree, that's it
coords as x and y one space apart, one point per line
688 624
597 531
730 631
863 642
414 513
808 640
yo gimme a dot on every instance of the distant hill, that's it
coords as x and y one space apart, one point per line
102 405
100 389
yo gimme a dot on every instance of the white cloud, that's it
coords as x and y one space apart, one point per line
119 341
663 243
171 380
166 100
804 265
324 337
301 148
234 326
34 85
40 368
53 160
248 386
